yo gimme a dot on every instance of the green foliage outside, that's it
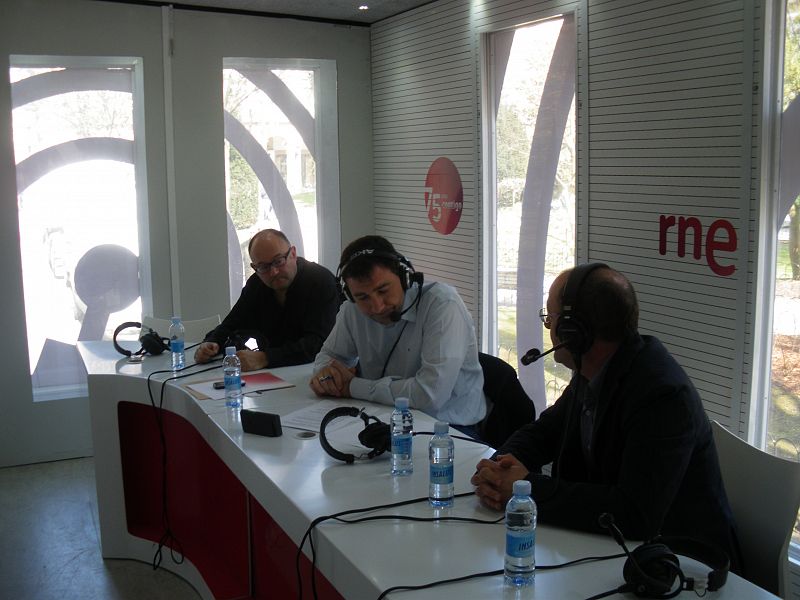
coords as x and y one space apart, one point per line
307 198
243 191
784 417
791 56
556 376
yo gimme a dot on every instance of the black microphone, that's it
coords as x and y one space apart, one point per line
417 278
535 354
606 521
647 583
396 314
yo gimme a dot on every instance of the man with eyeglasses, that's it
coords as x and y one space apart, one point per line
629 435
288 305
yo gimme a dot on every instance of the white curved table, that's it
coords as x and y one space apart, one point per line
240 503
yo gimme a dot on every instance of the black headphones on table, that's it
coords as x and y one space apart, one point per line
651 570
403 268
375 436
573 331
152 342
658 567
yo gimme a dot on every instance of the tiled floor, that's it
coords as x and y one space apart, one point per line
50 545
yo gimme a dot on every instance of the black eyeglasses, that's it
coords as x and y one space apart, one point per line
547 318
262 268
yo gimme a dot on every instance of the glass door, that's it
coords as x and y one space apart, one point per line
531 74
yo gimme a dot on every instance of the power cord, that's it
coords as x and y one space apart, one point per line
403 588
168 537
337 516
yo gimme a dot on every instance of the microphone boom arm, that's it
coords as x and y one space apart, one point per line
535 354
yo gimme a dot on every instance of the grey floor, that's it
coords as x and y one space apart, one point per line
50 544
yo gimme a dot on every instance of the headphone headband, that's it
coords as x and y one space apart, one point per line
404 269
375 436
572 328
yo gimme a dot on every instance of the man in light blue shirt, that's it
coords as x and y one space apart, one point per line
398 337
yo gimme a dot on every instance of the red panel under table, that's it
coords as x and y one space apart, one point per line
274 552
207 505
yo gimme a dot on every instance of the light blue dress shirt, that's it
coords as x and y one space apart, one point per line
434 364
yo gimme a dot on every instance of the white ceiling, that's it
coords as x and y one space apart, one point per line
332 10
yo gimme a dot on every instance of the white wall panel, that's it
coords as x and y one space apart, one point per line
425 94
667 125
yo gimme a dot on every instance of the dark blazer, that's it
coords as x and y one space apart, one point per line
652 463
291 334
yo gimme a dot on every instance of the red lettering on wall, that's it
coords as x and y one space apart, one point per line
714 243
683 225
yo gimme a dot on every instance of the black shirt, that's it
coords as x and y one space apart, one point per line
653 462
293 333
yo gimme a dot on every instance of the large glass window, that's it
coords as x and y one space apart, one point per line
531 75
783 414
73 127
273 149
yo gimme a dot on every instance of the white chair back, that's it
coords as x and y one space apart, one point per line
764 494
195 329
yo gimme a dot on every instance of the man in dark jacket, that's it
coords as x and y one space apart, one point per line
288 305
629 435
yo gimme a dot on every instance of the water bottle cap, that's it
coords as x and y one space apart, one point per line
230 350
440 427
522 487
401 403
176 319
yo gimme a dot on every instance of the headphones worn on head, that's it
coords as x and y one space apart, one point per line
152 342
375 436
403 268
571 328
652 568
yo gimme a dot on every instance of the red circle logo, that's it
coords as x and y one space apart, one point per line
444 196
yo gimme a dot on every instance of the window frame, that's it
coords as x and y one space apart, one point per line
135 64
327 140
767 230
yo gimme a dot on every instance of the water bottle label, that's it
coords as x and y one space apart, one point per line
401 444
233 382
442 474
176 345
520 544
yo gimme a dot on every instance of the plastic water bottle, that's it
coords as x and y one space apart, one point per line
176 344
402 434
232 370
440 457
520 564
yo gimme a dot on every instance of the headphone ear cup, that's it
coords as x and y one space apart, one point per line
405 272
152 343
577 336
343 289
706 553
657 570
376 436
346 291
